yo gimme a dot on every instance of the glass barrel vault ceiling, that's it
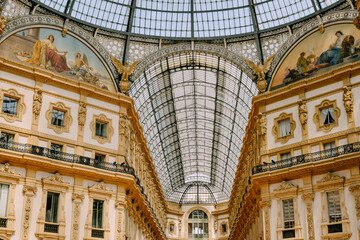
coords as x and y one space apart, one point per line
188 18
194 109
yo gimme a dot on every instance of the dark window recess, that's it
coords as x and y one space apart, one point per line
52 204
97 213
289 234
99 159
172 227
57 118
335 228
10 105
3 222
327 115
51 228
84 160
223 228
7 137
100 129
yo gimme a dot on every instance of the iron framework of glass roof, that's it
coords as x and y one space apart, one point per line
194 107
188 18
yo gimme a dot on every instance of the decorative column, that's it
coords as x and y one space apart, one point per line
266 205
348 104
308 198
29 192
77 200
261 126
303 117
355 190
120 218
124 136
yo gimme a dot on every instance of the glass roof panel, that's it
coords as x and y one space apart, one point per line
188 18
192 120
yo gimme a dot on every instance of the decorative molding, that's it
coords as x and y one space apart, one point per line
21 107
317 116
29 192
100 187
226 224
276 127
308 199
285 186
37 102
348 103
57 178
331 178
109 128
35 20
67 118
7 170
303 113
77 199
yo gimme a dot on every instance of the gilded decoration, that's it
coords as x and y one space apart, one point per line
125 72
317 116
7 170
82 114
276 127
37 102
77 199
3 22
260 71
261 124
330 178
21 108
67 117
109 128
348 102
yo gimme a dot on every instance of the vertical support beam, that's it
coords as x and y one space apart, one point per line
192 19
128 30
256 31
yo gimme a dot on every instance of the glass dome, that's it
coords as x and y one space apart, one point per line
191 19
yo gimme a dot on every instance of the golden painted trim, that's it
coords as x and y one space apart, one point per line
21 107
109 128
317 116
67 118
276 127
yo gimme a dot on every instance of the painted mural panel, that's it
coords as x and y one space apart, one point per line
319 53
67 56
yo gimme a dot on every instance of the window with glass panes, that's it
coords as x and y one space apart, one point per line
97 214
58 117
288 213
284 128
198 225
52 205
284 156
4 195
101 129
327 115
10 105
334 207
7 137
330 149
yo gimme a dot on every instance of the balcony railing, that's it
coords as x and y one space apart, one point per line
306 158
97 233
51 228
3 222
73 158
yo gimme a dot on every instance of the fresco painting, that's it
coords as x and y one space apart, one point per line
319 53
67 56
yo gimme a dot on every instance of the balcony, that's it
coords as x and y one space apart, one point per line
306 158
51 228
3 222
97 233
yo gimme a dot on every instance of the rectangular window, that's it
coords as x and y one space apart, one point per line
334 208
284 127
223 228
329 145
284 156
101 129
4 195
7 138
99 158
327 116
58 117
288 212
10 105
97 214
52 204
56 150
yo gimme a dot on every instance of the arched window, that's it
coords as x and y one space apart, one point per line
198 225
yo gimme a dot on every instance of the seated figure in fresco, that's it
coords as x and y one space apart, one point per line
333 55
302 65
45 54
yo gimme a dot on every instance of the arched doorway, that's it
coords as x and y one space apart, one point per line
198 225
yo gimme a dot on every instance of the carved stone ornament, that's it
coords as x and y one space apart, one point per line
37 102
3 22
77 197
348 99
82 114
261 124
55 178
6 169
100 186
260 70
29 192
330 177
303 113
284 186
